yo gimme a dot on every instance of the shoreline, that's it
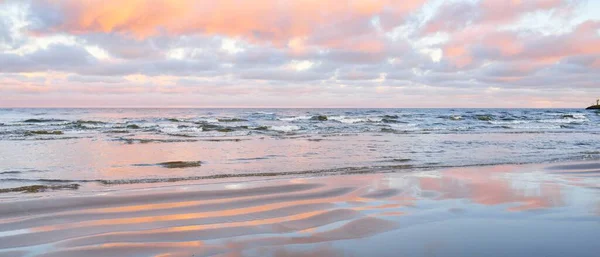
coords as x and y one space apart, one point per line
328 215
68 188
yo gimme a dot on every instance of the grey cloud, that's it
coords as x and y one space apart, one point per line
400 75
18 77
5 35
44 15
452 16
581 60
9 36
357 75
259 56
286 75
354 56
151 68
95 79
57 57
507 69
126 47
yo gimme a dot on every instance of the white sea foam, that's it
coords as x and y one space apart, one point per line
210 120
347 120
562 121
510 122
284 128
374 119
579 116
295 118
406 127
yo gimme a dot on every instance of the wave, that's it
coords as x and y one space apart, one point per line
348 120
274 123
152 140
340 171
296 118
405 127
288 128
46 184
89 122
21 171
591 152
231 120
10 172
43 120
174 164
575 116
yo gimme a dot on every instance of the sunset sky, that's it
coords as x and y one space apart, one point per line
304 53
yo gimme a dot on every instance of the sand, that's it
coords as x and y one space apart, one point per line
530 210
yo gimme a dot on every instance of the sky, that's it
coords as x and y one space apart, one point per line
303 53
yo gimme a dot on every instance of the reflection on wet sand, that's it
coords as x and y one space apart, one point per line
493 188
324 216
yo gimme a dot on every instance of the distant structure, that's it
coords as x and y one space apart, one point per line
595 107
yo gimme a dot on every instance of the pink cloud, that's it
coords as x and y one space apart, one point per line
596 63
347 45
454 16
271 21
502 11
487 189
538 49
475 37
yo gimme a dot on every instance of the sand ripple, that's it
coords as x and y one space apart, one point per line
356 215
192 222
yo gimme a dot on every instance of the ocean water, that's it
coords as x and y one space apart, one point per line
106 148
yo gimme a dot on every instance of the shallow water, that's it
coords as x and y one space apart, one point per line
105 148
504 210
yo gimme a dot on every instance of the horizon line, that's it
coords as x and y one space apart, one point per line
270 107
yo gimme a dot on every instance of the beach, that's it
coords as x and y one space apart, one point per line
100 149
501 210
295 128
299 182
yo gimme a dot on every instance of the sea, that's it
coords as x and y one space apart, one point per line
68 150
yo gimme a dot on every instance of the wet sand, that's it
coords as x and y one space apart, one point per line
530 210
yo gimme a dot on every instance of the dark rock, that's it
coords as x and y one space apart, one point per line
91 122
39 188
389 120
231 120
484 117
117 131
319 118
44 132
41 120
180 164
